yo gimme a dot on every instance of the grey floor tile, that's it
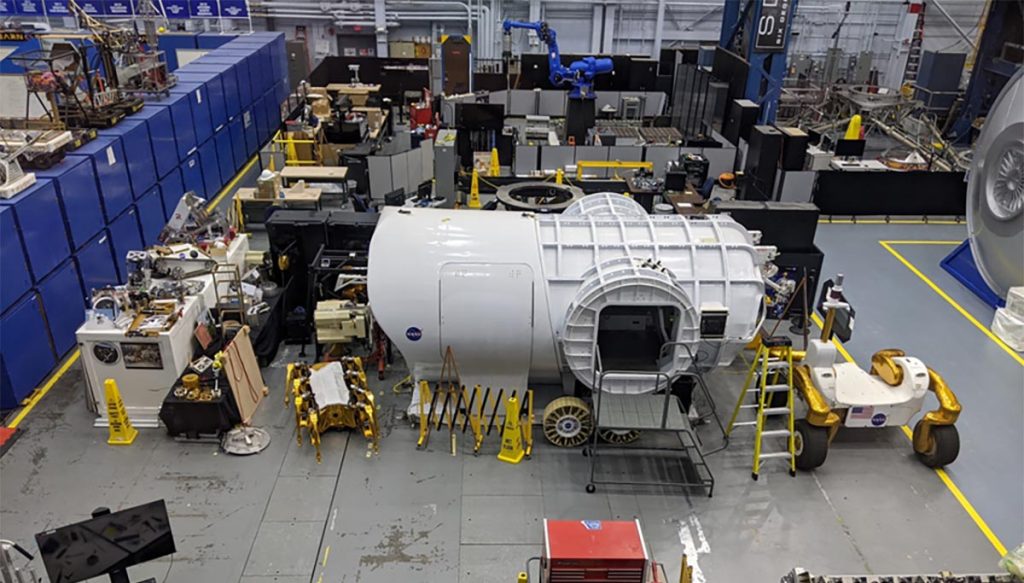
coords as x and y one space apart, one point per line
502 519
487 475
486 563
281 579
285 548
300 500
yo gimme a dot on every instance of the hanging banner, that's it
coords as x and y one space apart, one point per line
91 7
203 9
29 7
7 7
57 8
234 9
118 8
176 8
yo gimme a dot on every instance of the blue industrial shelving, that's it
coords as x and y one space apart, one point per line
115 193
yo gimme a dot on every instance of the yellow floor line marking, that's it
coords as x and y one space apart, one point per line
984 329
948 481
924 242
889 222
224 191
40 393
38 396
327 553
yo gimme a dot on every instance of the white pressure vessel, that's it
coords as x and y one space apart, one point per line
551 298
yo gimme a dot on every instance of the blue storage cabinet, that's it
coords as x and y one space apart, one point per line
225 152
125 236
95 262
229 80
240 67
252 140
260 65
212 180
262 123
180 109
199 101
25 356
215 90
171 190
80 201
40 226
64 305
238 142
172 41
212 40
135 140
161 136
151 215
15 278
192 175
107 157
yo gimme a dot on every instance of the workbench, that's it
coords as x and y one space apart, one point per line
144 367
252 209
318 175
357 93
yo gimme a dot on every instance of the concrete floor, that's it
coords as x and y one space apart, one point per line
428 516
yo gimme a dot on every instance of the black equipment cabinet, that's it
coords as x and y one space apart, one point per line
763 154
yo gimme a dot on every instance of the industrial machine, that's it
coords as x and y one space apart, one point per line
841 394
995 192
602 285
332 395
579 74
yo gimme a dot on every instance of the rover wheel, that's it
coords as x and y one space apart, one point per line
567 422
943 445
619 436
811 445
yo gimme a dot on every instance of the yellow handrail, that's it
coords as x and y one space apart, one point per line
610 164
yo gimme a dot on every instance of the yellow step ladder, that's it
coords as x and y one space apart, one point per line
772 373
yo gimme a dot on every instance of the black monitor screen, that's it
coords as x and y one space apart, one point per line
483 116
106 543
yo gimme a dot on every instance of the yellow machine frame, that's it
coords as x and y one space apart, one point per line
360 413
616 164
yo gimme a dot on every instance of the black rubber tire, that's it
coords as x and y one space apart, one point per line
815 445
944 445
591 488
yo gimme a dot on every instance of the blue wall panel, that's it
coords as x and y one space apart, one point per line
125 236
161 135
151 215
96 263
80 201
171 190
40 226
64 305
25 357
15 278
107 157
135 139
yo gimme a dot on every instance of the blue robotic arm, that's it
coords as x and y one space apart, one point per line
579 73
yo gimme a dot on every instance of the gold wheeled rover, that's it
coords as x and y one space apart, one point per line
360 412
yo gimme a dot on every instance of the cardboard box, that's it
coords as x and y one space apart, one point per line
268 189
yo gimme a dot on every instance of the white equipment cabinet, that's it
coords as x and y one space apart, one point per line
522 296
144 367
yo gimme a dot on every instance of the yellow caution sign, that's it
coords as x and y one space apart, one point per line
511 436
853 130
474 191
495 169
121 430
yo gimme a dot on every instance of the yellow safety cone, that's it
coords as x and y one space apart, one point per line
522 577
559 176
474 191
853 130
121 430
511 436
495 169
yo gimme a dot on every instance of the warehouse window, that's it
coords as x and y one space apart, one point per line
630 337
